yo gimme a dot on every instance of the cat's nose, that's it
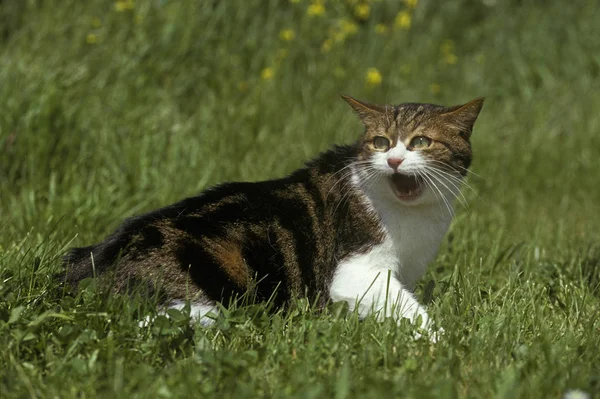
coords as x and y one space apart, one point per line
394 163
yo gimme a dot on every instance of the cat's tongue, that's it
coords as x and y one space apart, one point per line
405 187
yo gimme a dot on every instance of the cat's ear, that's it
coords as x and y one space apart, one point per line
464 116
369 114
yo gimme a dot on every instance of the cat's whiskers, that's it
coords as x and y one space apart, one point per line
460 181
427 176
365 180
362 179
345 172
441 178
453 173
441 193
456 182
423 180
458 195
342 179
467 171
346 181
351 164
373 178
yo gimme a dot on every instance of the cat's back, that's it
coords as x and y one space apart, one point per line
282 234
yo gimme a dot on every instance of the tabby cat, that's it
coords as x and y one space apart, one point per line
359 223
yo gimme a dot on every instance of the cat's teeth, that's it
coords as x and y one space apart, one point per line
410 193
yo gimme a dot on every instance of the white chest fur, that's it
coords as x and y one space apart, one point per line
382 279
415 235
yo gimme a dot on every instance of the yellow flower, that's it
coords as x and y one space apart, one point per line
447 50
362 11
122 5
450 59
411 3
338 36
373 77
435 88
96 23
287 35
91 38
349 28
267 73
326 46
315 9
403 20
381 29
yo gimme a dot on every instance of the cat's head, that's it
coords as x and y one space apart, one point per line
415 153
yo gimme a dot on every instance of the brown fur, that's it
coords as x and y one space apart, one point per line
449 128
283 236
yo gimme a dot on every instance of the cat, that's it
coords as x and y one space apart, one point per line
359 224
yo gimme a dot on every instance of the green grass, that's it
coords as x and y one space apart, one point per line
107 113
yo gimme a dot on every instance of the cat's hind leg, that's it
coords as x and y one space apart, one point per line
203 312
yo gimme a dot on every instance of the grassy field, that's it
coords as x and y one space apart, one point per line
109 109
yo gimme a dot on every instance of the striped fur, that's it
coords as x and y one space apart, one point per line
278 239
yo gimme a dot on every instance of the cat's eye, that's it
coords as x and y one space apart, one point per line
381 143
419 143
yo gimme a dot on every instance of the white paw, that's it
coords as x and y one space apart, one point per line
425 322
435 335
145 322
426 326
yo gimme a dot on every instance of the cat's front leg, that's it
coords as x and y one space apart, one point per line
376 290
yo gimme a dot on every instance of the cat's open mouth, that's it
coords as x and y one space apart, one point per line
406 188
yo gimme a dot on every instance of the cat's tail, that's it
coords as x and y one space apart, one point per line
91 261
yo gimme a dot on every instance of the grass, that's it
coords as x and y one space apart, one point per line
111 109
